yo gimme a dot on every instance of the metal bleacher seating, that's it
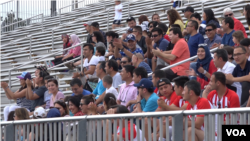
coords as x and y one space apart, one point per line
49 40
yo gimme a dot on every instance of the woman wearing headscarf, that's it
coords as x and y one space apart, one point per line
72 53
204 67
66 44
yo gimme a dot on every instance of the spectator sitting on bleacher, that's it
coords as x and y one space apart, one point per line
107 83
221 62
152 25
56 94
143 22
187 14
74 105
109 101
95 27
160 43
195 38
164 29
77 88
208 16
179 53
62 107
127 90
131 24
202 27
228 29
100 89
174 18
111 52
111 69
90 31
19 95
21 114
137 31
87 105
47 94
118 14
156 76
204 66
37 94
246 12
156 18
125 61
89 64
132 47
100 53
213 40
241 73
230 52
228 12
146 99
110 35
246 43
237 37
137 61
66 44
98 39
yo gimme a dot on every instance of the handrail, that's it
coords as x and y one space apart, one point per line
6 2
181 62
55 53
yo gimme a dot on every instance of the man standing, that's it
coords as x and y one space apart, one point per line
187 13
147 99
137 61
118 14
212 37
89 30
128 91
179 53
95 27
241 73
137 31
223 65
195 38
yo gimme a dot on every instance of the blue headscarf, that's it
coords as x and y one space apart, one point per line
54 112
204 62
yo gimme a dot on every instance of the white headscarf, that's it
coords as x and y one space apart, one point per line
75 39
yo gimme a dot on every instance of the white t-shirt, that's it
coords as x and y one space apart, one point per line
93 62
117 80
118 14
229 68
249 58
101 58
112 90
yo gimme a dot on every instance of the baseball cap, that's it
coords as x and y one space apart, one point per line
189 8
130 37
87 23
40 113
95 24
24 75
165 80
54 112
145 83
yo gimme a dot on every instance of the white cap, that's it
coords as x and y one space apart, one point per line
40 113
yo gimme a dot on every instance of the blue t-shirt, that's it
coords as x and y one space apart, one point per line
151 104
162 44
193 43
145 66
227 39
99 89
137 50
84 92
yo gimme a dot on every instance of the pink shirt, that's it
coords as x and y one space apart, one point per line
127 93
59 96
76 51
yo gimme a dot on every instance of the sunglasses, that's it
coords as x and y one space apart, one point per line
153 36
208 30
228 15
123 62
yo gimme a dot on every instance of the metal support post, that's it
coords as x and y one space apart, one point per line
81 58
52 39
108 21
42 22
82 130
60 15
30 46
9 132
128 9
177 127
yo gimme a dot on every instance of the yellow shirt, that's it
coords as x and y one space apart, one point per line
180 23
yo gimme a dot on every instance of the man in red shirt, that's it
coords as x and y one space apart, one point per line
191 94
179 53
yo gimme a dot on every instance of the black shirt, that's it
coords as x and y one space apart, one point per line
89 39
170 46
142 44
238 72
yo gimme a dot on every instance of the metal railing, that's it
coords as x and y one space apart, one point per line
183 61
22 23
94 127
45 56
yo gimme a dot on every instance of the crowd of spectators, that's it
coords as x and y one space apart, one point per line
115 76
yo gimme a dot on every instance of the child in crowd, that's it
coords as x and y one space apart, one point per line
100 52
47 94
107 83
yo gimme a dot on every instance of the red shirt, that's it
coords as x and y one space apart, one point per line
128 131
239 26
79 114
166 37
179 102
211 70
171 100
201 103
